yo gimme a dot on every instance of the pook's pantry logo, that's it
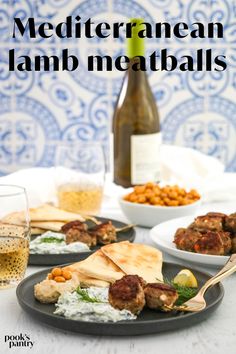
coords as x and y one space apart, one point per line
20 340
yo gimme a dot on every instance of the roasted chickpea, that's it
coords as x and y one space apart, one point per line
141 199
139 189
133 198
149 193
173 195
66 274
60 279
153 194
150 185
127 197
157 191
56 272
173 203
155 200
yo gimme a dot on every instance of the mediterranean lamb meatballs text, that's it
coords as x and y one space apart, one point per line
127 293
159 295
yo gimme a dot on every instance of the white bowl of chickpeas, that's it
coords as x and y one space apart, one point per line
150 204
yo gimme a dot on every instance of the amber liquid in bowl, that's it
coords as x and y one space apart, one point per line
80 200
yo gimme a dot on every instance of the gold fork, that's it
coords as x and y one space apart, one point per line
198 303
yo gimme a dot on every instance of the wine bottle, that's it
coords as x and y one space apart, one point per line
136 123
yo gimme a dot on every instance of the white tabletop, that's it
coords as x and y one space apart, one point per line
215 335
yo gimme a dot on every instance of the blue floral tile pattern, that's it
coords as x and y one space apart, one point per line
38 110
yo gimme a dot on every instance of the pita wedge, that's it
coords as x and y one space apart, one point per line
48 225
36 231
134 258
98 266
44 212
86 281
48 212
12 230
16 218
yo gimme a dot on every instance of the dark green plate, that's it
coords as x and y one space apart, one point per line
56 259
148 321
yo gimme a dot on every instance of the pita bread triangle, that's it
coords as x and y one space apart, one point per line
48 225
86 281
36 231
98 266
44 212
48 212
139 259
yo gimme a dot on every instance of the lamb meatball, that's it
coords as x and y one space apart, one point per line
214 243
127 293
210 221
185 239
77 231
105 233
75 224
227 242
157 295
233 243
230 223
77 235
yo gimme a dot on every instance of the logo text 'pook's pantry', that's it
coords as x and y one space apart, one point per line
19 340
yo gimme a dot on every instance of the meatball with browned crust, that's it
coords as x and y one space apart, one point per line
230 223
76 235
74 224
105 233
233 243
185 239
158 295
227 241
214 243
209 222
127 293
77 231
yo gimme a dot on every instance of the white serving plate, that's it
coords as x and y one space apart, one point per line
163 236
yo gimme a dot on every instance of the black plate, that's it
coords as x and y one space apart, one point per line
56 259
147 322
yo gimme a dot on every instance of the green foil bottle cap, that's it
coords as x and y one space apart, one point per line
136 45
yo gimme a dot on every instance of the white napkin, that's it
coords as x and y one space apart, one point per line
184 166
39 183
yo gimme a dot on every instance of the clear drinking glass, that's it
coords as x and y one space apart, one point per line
80 175
14 234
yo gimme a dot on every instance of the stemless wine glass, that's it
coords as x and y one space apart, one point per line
80 175
14 234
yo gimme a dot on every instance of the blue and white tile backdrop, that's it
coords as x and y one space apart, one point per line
39 109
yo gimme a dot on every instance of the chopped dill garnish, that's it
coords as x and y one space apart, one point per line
51 240
185 293
85 296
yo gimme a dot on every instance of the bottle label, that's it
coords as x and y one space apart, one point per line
145 158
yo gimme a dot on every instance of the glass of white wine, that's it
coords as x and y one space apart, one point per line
80 174
14 235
